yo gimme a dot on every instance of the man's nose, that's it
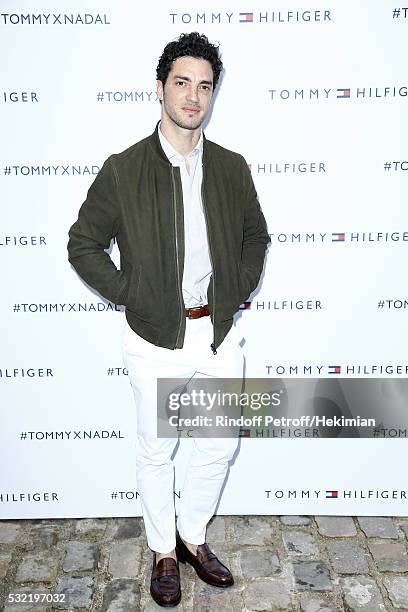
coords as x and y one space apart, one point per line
193 94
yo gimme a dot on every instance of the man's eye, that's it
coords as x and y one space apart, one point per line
179 82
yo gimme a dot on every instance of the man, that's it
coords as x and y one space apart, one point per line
192 241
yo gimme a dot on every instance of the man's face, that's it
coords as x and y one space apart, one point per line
187 93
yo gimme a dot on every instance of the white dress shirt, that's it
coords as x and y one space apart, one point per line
197 262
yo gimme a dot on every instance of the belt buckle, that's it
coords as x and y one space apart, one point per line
193 308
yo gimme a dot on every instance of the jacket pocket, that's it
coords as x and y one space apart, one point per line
131 293
238 293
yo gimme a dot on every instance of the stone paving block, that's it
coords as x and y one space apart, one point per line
299 543
121 596
311 576
347 556
316 604
397 589
78 590
336 526
81 556
40 566
124 559
5 558
294 520
27 606
46 535
9 532
91 527
185 605
209 599
259 562
267 595
128 528
404 527
378 527
389 556
216 530
250 530
361 593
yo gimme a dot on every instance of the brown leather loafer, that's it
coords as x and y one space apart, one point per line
165 582
205 563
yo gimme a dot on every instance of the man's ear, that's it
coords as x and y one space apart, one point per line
159 90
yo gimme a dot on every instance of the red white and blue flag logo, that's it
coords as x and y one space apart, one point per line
334 369
246 18
336 237
332 494
343 93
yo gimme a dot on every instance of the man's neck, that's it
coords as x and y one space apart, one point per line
181 139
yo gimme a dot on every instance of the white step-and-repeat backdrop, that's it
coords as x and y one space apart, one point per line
314 96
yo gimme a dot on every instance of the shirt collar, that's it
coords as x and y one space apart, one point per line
171 152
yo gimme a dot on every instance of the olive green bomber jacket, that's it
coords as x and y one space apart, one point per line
137 198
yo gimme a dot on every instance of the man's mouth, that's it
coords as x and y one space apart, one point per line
190 109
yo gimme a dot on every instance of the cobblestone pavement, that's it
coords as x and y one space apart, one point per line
297 563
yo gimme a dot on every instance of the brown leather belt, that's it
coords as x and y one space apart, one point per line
197 312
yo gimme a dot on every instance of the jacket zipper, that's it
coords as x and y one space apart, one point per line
177 255
212 345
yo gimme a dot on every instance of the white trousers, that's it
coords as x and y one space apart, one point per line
209 461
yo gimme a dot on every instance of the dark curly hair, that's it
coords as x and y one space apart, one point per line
193 45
